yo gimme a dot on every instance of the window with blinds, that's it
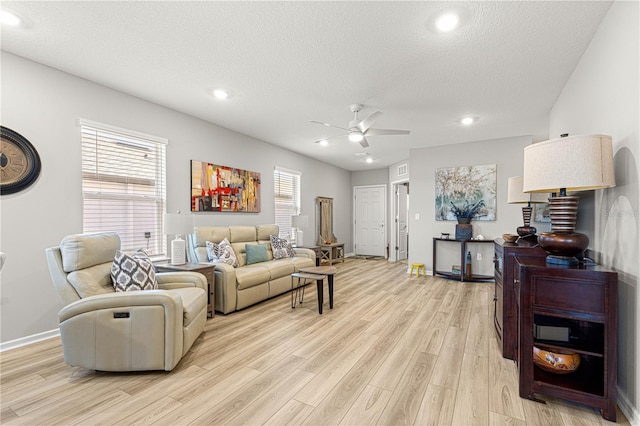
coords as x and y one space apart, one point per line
124 185
286 189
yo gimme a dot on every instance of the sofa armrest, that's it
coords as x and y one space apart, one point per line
304 252
225 288
171 280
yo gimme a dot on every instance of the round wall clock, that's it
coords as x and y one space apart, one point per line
19 162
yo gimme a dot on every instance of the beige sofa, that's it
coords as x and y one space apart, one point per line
237 288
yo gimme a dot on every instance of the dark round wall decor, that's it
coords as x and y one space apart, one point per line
19 162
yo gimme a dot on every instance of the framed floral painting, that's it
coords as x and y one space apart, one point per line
462 184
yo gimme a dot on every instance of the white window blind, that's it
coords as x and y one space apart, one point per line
287 198
124 186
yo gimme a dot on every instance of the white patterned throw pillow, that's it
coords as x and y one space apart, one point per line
133 272
281 247
222 252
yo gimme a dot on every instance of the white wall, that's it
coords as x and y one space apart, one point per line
43 105
602 96
506 153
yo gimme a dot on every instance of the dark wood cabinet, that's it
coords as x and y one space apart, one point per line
584 300
505 318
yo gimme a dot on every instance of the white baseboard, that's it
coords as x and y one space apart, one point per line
627 408
28 340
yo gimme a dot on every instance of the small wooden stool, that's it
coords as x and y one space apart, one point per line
417 267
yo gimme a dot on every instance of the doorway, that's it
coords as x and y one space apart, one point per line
401 219
370 237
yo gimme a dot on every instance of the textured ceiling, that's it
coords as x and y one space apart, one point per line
286 63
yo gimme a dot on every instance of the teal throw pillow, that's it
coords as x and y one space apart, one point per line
256 253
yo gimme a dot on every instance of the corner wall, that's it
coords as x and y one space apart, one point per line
602 96
43 105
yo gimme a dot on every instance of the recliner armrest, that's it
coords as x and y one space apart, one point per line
169 280
172 303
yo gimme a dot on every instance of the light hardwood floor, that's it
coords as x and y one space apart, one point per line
394 350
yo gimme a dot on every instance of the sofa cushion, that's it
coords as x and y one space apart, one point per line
84 250
281 247
252 275
265 231
280 268
242 234
222 252
193 301
211 233
256 253
133 272
92 281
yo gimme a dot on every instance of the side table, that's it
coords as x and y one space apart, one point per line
203 268
331 253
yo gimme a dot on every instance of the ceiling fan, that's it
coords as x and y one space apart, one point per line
359 129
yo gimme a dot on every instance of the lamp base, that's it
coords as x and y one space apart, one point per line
525 231
178 249
563 246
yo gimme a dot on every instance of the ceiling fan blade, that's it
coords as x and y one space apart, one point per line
367 122
331 138
364 143
380 132
328 125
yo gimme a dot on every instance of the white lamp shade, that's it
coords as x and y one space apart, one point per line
577 163
299 221
516 196
177 224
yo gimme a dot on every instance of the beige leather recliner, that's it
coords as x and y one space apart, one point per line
105 330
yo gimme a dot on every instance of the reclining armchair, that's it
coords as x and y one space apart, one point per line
105 330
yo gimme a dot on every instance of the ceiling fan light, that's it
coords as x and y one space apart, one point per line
355 136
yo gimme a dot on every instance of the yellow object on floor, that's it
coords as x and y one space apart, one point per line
418 267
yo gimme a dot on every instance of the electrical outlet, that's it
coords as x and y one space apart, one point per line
479 256
147 234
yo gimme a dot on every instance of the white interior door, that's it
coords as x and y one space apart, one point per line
370 226
402 230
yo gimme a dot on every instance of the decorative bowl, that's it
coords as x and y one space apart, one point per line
510 238
558 361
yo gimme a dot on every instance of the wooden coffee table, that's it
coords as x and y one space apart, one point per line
329 271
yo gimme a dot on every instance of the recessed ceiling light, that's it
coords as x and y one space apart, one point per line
220 94
447 22
8 18
369 160
324 142
467 121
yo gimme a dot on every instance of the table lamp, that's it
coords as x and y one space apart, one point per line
573 163
178 224
516 196
299 222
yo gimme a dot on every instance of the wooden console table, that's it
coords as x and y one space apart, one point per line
463 252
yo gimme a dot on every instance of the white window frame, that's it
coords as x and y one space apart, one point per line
113 175
286 199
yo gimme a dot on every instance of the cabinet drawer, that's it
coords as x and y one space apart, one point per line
577 295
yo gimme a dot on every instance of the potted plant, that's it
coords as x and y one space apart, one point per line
465 213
